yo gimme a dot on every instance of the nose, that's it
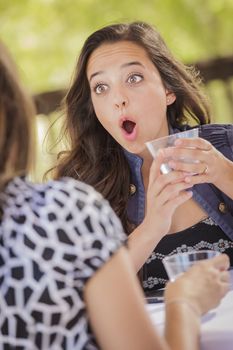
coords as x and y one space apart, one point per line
121 104
120 100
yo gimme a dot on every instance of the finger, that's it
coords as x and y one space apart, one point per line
169 184
225 288
172 191
195 168
174 203
197 179
225 276
188 153
162 180
221 262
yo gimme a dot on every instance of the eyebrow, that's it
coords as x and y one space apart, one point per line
133 63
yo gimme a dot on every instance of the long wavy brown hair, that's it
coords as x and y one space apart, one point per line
16 124
93 155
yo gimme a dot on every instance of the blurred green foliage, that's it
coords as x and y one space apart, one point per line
45 36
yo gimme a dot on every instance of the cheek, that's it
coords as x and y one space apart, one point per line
155 105
102 114
154 98
98 108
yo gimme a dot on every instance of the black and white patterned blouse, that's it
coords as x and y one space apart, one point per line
53 238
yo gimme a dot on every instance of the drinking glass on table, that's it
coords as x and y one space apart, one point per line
176 264
168 141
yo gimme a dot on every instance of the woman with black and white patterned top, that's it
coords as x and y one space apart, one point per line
66 281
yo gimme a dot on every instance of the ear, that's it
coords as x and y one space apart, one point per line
170 97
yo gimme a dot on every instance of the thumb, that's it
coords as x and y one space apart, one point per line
221 262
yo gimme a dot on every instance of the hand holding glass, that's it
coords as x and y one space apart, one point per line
176 264
169 141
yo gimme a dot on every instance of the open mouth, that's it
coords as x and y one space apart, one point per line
128 126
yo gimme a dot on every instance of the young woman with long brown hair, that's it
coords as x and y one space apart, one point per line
128 89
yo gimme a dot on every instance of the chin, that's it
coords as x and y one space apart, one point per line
137 150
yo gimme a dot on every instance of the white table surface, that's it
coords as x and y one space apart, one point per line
216 325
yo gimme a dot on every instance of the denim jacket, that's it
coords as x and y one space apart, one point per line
217 204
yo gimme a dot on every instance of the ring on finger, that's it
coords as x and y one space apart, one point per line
205 171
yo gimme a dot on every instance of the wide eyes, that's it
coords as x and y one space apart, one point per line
100 88
134 78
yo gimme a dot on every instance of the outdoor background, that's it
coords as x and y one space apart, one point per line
45 37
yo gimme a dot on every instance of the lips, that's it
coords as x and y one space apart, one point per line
128 126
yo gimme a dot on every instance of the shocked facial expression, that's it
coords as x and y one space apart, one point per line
128 95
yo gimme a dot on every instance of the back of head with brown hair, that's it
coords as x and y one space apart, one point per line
16 114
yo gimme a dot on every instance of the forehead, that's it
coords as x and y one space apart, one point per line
112 53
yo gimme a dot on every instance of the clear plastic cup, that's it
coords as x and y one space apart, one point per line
168 141
177 264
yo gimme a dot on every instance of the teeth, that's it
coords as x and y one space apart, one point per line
128 126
